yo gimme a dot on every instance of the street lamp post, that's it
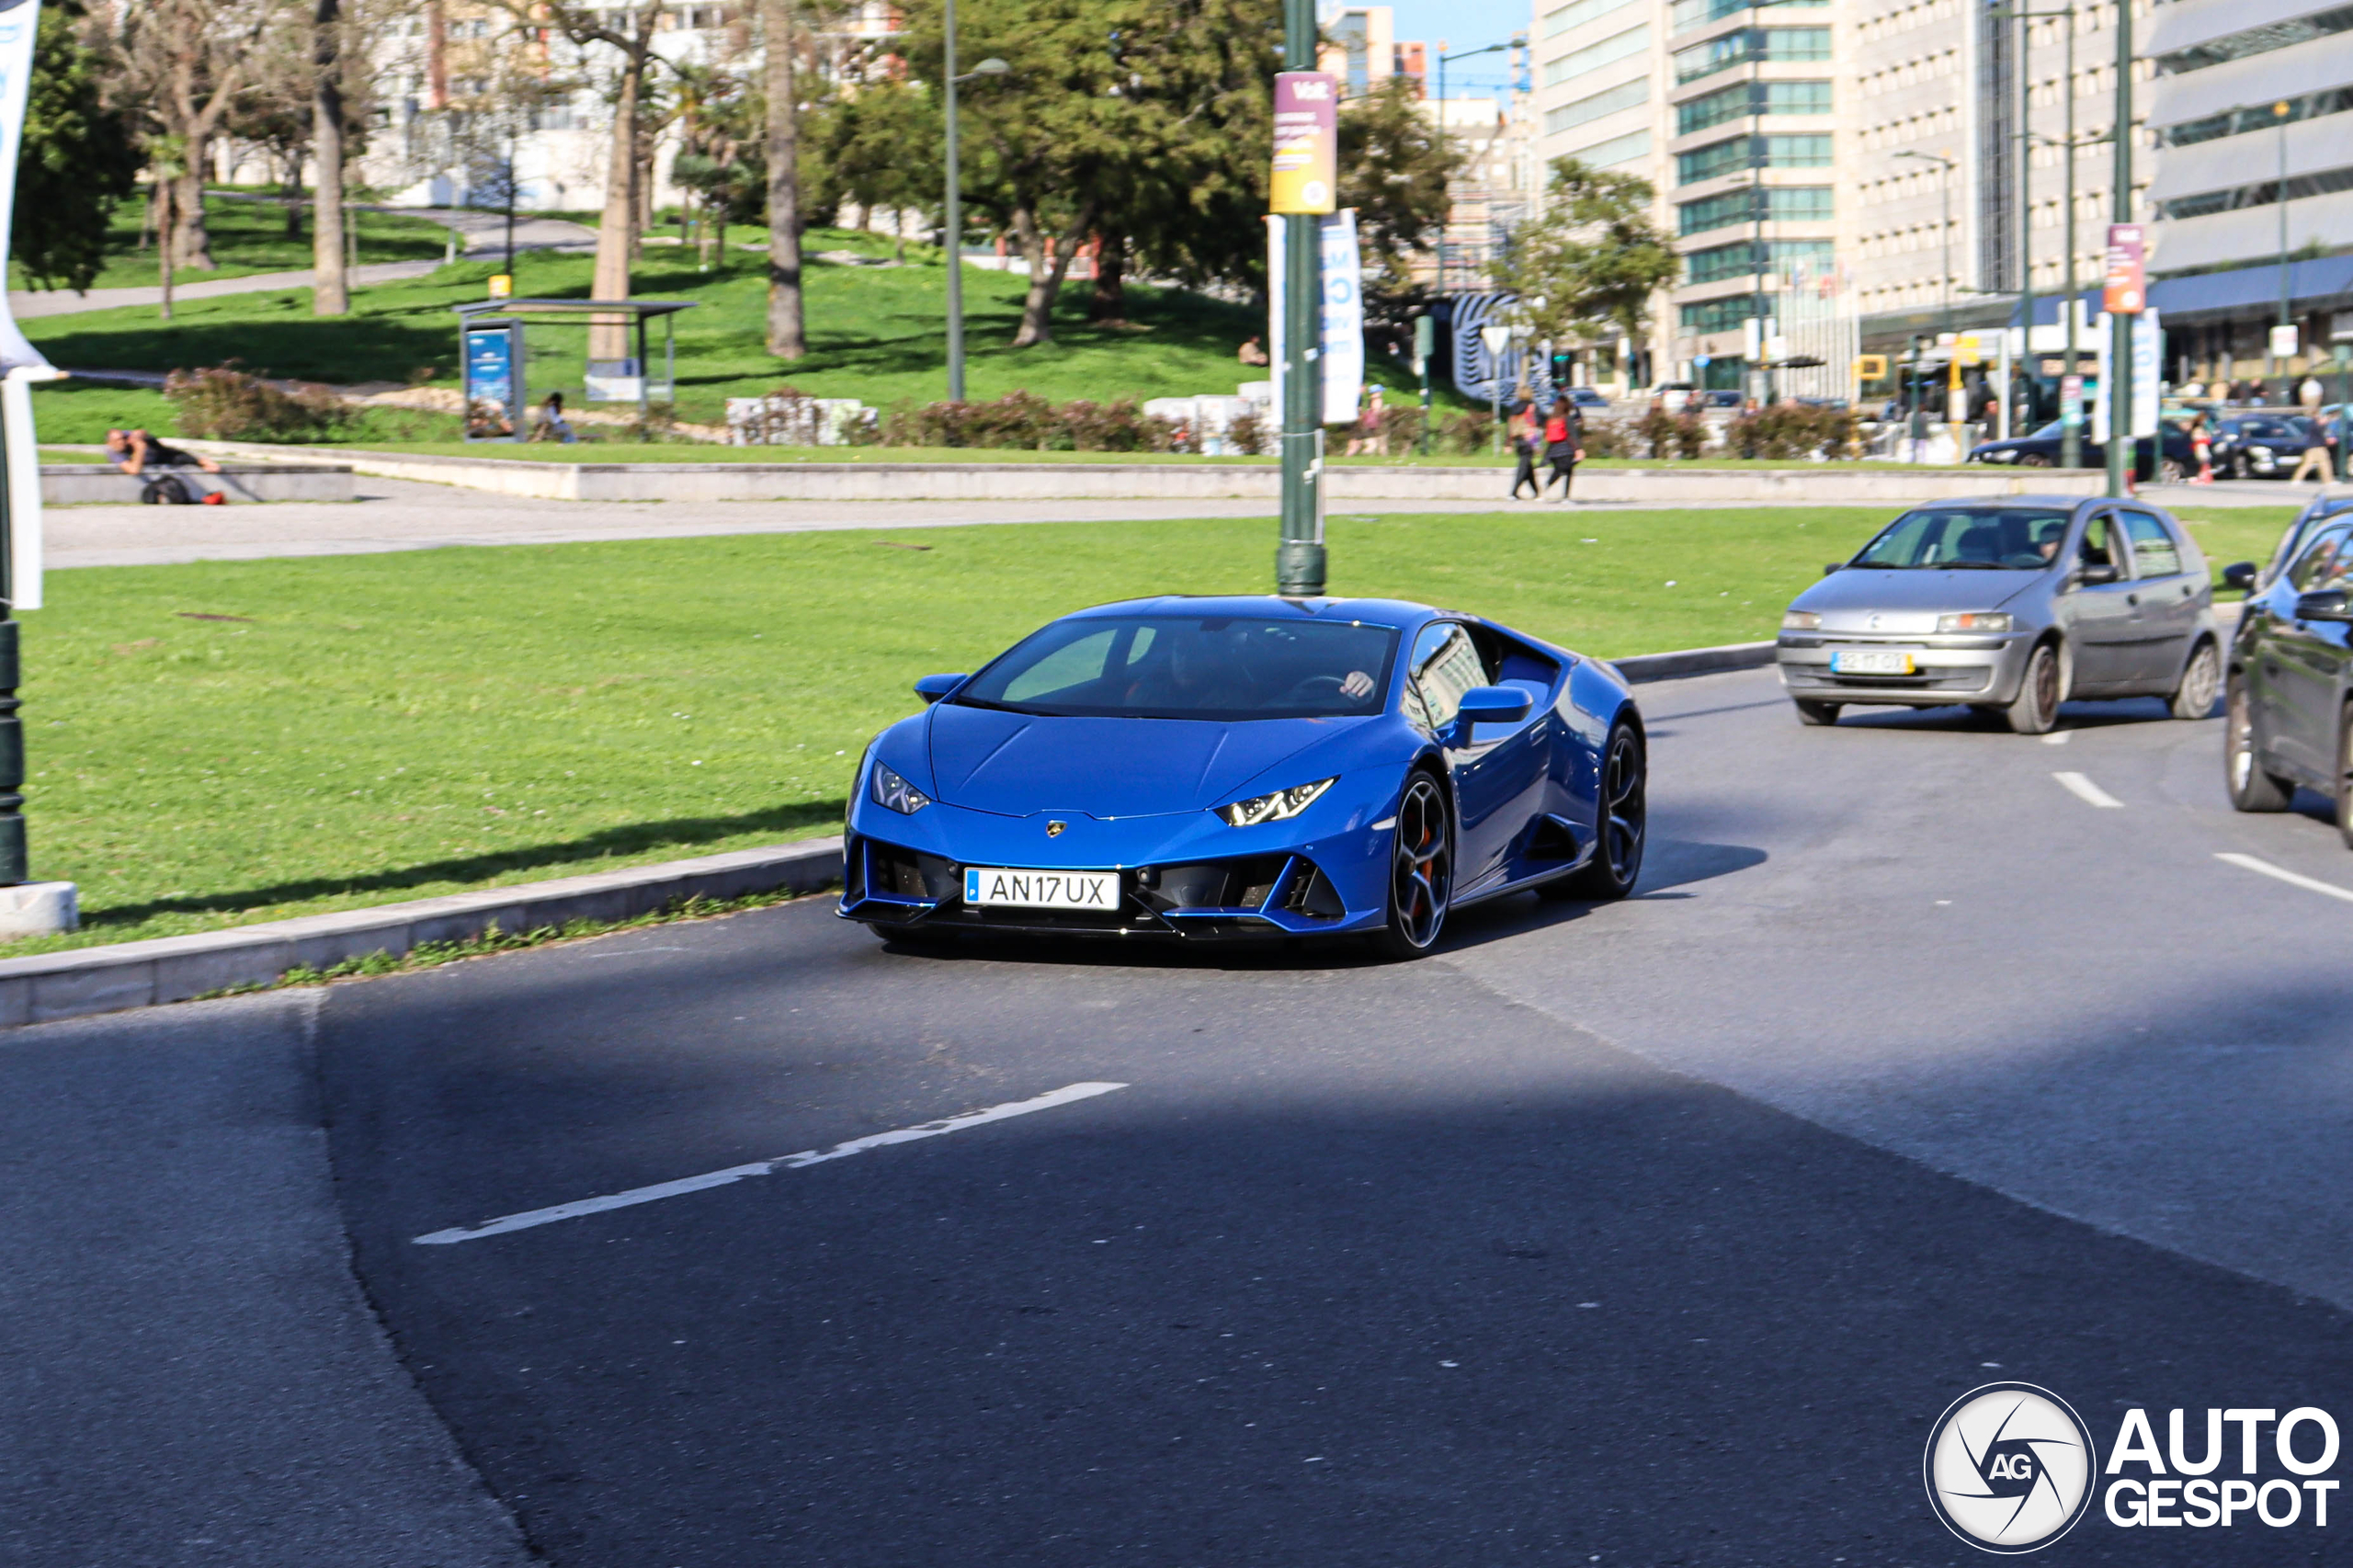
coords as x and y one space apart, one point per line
2071 431
2120 322
1299 557
952 208
2279 112
1442 58
1952 375
2071 437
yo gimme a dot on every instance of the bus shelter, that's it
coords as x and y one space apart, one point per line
515 353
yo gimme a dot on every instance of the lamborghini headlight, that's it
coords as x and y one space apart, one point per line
1277 807
889 790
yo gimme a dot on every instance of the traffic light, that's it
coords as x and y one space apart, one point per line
1563 364
1870 367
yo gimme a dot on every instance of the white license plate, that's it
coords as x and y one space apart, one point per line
986 885
1869 662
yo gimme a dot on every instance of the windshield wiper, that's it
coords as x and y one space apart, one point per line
962 702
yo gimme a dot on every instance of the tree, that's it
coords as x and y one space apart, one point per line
77 160
1593 258
187 64
786 336
877 144
330 292
1394 168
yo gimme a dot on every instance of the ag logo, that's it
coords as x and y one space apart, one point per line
2009 1468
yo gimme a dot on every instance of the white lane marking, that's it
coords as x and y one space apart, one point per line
2057 737
2310 884
2084 790
530 1217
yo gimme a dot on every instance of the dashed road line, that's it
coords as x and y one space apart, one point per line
2281 873
2091 794
525 1220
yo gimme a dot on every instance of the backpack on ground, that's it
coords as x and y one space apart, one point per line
165 490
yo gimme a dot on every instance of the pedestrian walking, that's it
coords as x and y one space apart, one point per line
2201 446
1563 439
2315 457
1527 441
2310 393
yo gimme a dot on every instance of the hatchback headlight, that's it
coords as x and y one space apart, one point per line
1975 621
889 790
1277 807
1800 620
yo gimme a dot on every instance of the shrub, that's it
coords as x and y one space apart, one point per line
223 402
1607 438
1657 429
1785 432
1401 430
1023 420
1691 435
1247 434
1465 430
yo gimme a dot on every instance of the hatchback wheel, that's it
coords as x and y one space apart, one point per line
2037 706
2033 459
2252 788
2345 776
2170 472
2200 678
1421 871
1816 712
1621 823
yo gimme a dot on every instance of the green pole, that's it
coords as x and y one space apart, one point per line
1299 560
2119 325
15 865
951 218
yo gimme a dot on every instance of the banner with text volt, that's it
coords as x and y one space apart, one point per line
1307 143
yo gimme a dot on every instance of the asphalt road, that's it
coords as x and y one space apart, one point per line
1656 1232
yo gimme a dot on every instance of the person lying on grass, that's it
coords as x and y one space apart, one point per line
135 451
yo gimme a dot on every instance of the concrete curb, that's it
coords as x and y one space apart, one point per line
1645 667
1345 486
44 987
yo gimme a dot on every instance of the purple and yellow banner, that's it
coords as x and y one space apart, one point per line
1307 136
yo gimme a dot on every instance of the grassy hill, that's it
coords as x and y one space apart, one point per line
875 333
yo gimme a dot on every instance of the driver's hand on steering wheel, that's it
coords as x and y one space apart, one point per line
1357 684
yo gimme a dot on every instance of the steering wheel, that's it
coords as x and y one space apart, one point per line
1315 685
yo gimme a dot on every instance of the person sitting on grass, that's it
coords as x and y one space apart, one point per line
552 426
135 451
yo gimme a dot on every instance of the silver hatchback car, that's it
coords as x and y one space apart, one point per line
2010 606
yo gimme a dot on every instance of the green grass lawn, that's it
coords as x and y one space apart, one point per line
874 332
250 237
216 744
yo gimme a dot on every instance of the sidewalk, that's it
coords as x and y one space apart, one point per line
27 304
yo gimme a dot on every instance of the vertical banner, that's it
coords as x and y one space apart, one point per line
20 363
2126 287
1342 273
2148 344
1307 143
493 401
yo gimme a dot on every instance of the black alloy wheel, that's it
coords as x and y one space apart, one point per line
1421 871
2201 680
2251 787
1623 819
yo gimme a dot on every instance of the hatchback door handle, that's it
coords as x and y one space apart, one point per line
2131 598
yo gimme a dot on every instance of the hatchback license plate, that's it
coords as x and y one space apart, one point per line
1869 662
986 885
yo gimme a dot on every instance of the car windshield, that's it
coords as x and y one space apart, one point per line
1219 667
1965 539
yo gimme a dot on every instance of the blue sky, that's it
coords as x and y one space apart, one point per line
1465 24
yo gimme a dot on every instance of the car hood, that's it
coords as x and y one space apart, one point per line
1863 589
1015 764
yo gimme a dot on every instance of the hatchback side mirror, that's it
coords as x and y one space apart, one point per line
931 688
1832 567
2092 576
2240 575
2328 604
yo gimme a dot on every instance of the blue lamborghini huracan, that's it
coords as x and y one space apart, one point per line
1249 768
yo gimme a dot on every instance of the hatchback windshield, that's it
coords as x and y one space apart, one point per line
1980 538
1183 666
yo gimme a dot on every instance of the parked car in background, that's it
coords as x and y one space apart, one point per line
1675 397
1587 398
2009 606
2263 446
2167 465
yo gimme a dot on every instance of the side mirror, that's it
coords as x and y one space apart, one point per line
2240 576
1832 567
2328 604
1490 705
2093 576
931 688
